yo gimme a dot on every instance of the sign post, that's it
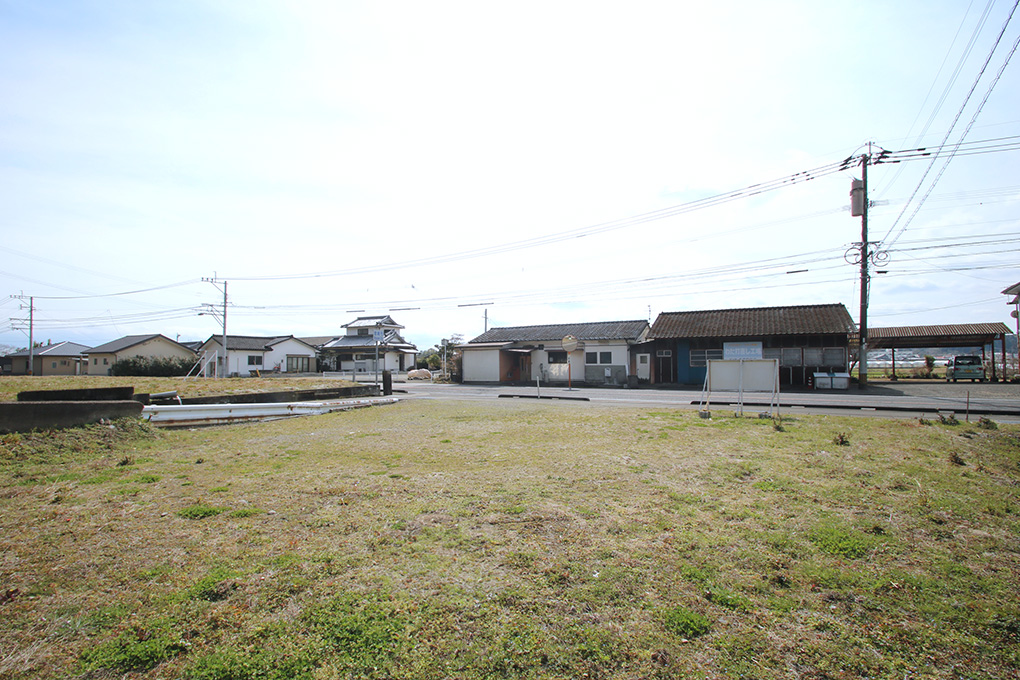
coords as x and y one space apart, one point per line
569 344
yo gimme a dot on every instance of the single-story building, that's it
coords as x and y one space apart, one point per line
596 353
61 358
806 339
247 354
366 338
100 359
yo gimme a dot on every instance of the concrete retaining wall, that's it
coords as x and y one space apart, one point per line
24 416
91 394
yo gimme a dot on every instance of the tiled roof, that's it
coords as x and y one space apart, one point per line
284 338
373 321
755 322
318 340
246 342
128 341
59 349
391 340
601 330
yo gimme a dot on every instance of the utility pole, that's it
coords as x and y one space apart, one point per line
216 283
31 336
862 358
859 205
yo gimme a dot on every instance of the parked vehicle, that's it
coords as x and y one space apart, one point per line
965 367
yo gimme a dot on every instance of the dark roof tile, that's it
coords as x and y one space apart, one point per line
754 322
600 330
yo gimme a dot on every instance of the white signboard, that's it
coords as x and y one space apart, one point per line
733 351
743 375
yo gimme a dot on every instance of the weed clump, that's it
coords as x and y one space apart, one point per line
274 662
840 541
987 424
138 649
199 511
214 586
363 632
725 598
841 439
684 623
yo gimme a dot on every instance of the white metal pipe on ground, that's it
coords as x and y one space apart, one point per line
171 414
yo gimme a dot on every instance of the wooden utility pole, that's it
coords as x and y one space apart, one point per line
859 205
862 352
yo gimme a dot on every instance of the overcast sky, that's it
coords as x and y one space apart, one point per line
412 158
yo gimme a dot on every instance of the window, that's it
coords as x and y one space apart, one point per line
557 357
661 353
54 364
833 356
592 358
605 357
813 356
362 331
106 361
95 362
299 364
254 359
792 356
642 358
701 357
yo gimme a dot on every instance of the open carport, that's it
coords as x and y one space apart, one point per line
950 335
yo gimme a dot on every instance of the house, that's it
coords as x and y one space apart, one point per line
366 338
602 354
247 354
62 358
806 339
100 359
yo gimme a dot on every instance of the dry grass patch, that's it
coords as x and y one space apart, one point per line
437 540
10 385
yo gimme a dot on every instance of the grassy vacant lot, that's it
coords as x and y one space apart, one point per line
512 540
193 387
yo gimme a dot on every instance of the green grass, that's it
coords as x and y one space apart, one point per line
430 540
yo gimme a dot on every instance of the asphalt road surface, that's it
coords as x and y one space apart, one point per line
998 401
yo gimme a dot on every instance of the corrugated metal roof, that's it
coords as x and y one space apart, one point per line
944 330
831 319
602 330
946 335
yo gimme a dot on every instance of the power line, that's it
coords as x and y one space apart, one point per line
956 119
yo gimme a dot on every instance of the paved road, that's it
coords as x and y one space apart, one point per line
998 401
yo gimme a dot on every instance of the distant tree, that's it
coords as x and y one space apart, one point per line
432 358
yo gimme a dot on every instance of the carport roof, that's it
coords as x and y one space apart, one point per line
947 335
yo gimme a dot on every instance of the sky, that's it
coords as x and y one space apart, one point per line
469 165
